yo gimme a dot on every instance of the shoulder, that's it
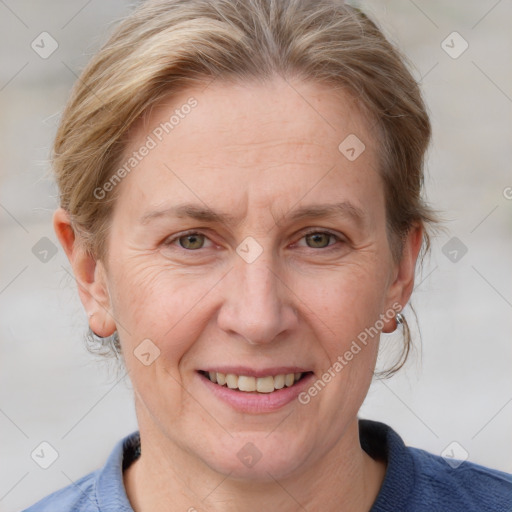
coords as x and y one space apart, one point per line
468 485
79 496
417 480
102 490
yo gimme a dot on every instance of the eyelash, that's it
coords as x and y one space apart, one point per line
306 233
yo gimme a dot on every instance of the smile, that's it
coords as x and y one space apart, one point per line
255 391
251 384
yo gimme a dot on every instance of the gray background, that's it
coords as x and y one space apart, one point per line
458 388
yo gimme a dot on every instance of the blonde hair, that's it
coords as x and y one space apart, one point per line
165 46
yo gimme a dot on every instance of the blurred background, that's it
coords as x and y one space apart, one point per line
454 396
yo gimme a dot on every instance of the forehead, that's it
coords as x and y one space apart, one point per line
254 112
247 143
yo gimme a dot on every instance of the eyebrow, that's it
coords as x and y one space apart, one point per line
343 209
202 213
206 214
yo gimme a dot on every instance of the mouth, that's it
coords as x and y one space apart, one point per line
264 384
250 391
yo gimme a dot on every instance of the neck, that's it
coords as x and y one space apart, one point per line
345 479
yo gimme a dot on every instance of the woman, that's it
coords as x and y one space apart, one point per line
241 205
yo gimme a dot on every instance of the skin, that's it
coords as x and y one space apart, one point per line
258 152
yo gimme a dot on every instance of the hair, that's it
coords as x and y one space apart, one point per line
166 46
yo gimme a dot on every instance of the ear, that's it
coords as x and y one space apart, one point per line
90 276
402 285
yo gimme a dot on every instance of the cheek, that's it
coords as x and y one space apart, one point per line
159 302
347 307
348 300
342 307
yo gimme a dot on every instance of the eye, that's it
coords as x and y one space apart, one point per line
314 239
320 239
190 241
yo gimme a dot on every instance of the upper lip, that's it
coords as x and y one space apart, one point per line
253 372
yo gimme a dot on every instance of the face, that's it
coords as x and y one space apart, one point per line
246 243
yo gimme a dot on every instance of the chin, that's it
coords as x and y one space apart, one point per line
257 457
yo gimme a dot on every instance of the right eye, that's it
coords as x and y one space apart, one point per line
190 241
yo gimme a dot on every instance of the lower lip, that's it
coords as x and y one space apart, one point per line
257 402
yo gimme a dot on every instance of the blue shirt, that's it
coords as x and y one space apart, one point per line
415 481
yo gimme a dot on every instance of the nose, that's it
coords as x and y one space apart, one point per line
258 304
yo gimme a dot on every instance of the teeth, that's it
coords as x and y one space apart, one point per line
279 381
265 384
246 383
232 381
251 384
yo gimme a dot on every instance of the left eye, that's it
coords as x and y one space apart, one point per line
319 239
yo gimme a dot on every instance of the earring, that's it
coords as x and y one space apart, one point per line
399 320
113 338
106 344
